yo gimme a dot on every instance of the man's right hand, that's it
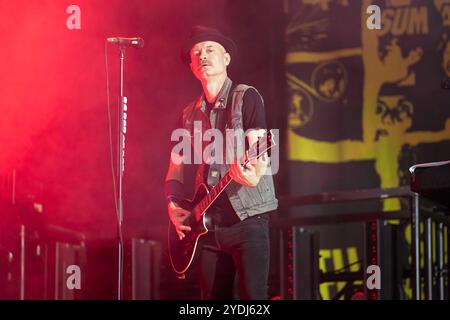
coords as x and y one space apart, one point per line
177 215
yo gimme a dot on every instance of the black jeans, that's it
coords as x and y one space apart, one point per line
239 252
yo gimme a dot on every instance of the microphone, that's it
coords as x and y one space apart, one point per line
132 42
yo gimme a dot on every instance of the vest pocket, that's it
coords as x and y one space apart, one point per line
266 189
250 197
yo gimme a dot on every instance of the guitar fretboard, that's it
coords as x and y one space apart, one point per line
262 145
212 195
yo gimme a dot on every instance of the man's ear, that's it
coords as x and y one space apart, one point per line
227 58
191 66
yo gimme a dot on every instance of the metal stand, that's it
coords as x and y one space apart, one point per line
415 247
412 214
122 129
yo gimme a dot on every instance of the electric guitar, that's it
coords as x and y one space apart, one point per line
183 252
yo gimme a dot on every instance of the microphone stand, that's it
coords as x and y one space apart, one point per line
122 129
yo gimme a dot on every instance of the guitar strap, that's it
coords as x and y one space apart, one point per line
221 119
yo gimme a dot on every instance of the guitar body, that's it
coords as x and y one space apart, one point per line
184 252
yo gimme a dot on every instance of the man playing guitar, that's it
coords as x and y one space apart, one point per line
237 244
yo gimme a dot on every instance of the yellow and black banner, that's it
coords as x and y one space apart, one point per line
364 104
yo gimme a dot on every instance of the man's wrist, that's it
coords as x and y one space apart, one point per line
173 200
174 191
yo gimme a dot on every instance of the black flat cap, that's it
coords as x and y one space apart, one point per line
203 33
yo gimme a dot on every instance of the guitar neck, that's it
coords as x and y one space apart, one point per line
213 194
257 149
